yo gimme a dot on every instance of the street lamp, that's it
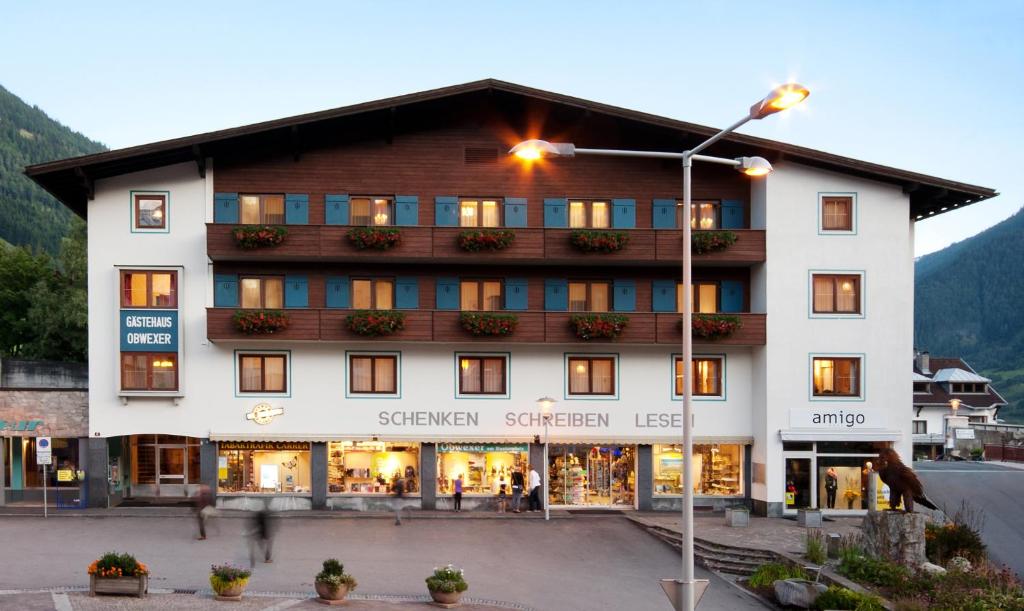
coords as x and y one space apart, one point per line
683 593
950 442
545 404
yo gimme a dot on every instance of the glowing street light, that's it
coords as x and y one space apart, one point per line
545 404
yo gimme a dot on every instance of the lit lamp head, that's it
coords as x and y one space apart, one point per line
780 98
545 404
531 150
754 166
954 404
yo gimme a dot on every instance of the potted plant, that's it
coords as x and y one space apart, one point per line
852 492
598 241
260 322
375 323
598 326
475 240
714 326
258 236
332 584
485 323
228 581
446 585
703 242
377 238
115 573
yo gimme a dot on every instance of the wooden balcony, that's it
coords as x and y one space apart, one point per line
534 327
532 245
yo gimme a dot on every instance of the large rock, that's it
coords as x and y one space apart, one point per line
797 592
896 536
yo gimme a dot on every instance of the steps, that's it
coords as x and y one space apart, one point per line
716 556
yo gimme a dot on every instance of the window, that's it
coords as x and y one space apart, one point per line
373 374
595 214
718 469
703 215
372 467
372 210
837 213
480 213
262 292
589 296
591 375
836 377
920 427
707 376
262 373
921 388
373 294
971 387
480 295
704 297
977 419
267 467
482 375
149 371
261 209
836 293
482 467
150 211
149 289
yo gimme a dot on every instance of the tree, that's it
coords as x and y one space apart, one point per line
58 314
20 272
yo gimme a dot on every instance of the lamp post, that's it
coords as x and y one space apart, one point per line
546 403
683 593
954 404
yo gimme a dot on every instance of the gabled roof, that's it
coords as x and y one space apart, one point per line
70 180
958 375
937 391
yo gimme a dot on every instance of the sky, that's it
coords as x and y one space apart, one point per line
932 86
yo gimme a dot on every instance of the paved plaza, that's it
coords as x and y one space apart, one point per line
575 562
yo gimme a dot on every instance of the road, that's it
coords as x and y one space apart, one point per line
996 490
600 562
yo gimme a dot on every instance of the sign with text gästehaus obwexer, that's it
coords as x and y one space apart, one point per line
149 331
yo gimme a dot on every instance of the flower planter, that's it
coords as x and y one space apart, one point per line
446 598
374 238
703 242
330 595
737 517
249 237
260 322
485 239
809 518
131 586
483 324
598 326
714 326
375 323
232 590
598 241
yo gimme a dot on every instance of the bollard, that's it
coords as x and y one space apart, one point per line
872 491
834 542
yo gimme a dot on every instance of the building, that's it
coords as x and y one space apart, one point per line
938 383
806 312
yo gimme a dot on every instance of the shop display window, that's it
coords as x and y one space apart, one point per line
371 467
482 466
717 469
587 475
64 457
263 467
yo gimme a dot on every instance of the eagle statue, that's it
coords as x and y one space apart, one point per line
901 480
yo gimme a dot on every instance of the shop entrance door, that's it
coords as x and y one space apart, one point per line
170 470
591 476
799 483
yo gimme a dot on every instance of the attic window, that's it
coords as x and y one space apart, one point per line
479 155
973 387
921 387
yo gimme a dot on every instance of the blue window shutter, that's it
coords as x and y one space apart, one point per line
407 293
447 294
296 208
338 292
296 292
555 213
732 214
446 211
624 213
664 215
663 295
556 295
732 296
225 207
515 294
515 212
225 290
336 209
407 210
624 299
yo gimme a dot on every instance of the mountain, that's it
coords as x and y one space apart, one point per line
30 216
968 300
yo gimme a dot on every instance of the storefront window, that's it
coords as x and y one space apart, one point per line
168 460
371 467
64 458
592 475
483 467
717 469
263 467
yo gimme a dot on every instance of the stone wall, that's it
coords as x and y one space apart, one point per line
57 413
43 375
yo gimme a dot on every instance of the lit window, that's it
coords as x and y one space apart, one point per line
836 294
261 209
373 211
262 373
262 292
479 375
707 376
836 377
373 294
594 214
837 213
703 214
718 467
150 211
149 371
479 213
149 289
589 296
703 296
591 376
373 374
480 295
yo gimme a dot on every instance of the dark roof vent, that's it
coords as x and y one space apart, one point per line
478 155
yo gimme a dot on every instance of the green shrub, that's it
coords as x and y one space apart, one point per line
447 579
815 548
983 589
768 573
334 575
866 569
943 542
841 598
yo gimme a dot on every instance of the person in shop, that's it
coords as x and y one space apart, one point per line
398 487
831 486
534 489
457 497
517 489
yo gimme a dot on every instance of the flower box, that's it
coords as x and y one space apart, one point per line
714 326
131 586
485 239
228 582
703 242
446 585
115 573
375 323
375 238
598 326
250 237
485 323
260 322
598 241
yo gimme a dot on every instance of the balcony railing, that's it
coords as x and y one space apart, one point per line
443 326
418 244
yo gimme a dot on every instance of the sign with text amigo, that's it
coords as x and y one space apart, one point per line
149 330
836 418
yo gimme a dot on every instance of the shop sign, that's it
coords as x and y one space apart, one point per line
964 433
264 413
44 451
20 426
65 475
149 330
273 446
482 447
837 419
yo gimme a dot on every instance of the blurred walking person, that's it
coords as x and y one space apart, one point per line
203 507
261 537
399 489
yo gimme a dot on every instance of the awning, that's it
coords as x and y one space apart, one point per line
620 440
827 435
